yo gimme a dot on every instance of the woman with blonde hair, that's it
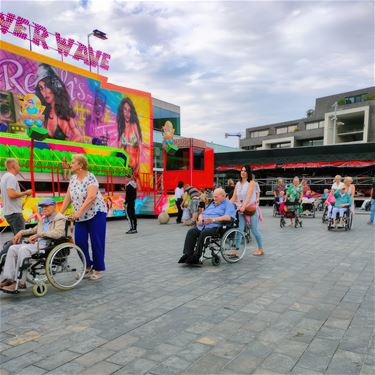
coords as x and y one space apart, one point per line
350 189
90 215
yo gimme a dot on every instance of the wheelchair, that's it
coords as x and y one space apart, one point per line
292 213
228 241
61 263
347 221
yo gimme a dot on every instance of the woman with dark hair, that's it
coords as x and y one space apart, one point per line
58 115
245 195
129 132
178 192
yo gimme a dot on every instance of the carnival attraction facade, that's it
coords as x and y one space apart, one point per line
79 112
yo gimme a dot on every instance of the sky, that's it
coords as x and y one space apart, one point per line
229 65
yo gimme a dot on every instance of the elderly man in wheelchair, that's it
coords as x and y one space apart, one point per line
48 247
209 222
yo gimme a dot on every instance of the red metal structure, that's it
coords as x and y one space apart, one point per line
192 163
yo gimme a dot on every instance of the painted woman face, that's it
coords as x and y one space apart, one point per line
46 92
127 112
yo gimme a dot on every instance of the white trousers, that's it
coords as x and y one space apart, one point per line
15 257
340 210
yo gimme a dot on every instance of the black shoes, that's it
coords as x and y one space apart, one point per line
131 231
183 258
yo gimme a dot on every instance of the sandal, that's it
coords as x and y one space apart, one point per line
96 275
258 253
88 273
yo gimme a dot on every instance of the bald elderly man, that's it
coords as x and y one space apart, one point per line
220 210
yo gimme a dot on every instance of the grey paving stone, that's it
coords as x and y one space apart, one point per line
57 360
101 368
344 362
279 362
309 300
31 370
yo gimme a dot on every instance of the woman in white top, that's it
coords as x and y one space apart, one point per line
179 191
243 196
90 213
337 184
350 189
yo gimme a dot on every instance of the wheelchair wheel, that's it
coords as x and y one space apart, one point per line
233 245
65 266
40 290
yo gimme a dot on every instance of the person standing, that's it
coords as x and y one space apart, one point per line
178 192
245 195
229 189
12 196
350 188
90 215
372 195
194 203
130 197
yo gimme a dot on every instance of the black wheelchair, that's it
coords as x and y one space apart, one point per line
61 263
347 221
293 212
228 241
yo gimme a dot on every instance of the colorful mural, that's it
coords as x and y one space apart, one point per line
73 105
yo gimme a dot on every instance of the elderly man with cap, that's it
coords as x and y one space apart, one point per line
52 226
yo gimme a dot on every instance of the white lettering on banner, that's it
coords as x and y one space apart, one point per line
11 72
11 81
63 45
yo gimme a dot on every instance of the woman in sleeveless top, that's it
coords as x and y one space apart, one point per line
244 195
129 132
58 115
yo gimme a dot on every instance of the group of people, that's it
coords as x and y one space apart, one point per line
243 205
89 214
189 202
337 199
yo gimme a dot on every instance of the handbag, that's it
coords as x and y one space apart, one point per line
250 209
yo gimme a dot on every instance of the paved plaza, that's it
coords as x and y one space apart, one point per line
306 307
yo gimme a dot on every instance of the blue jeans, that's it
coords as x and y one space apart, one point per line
372 211
96 228
254 226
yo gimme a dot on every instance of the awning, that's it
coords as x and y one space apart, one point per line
254 167
320 164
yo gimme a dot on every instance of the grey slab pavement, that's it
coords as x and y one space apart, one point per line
306 307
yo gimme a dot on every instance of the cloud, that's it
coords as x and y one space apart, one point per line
228 65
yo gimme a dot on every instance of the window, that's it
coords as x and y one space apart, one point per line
178 161
281 130
355 99
259 133
312 142
281 145
198 155
292 128
315 125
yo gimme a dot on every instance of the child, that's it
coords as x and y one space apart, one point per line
186 214
343 201
281 201
330 201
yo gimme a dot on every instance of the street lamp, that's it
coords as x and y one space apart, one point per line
98 34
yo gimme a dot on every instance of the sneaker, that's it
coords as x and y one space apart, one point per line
131 231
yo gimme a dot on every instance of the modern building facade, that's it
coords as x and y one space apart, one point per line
343 118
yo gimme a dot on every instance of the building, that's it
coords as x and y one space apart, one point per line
337 119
